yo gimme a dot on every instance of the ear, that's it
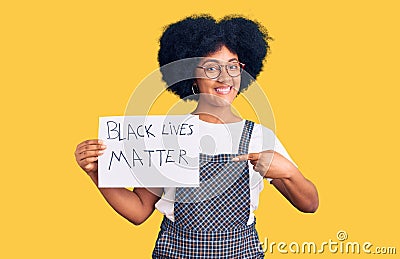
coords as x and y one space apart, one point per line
195 87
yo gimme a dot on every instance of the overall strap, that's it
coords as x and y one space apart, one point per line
245 138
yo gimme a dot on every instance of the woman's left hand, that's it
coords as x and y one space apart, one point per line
286 178
269 164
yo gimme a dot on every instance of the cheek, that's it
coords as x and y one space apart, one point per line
205 84
236 82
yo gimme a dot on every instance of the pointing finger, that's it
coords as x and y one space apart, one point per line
251 156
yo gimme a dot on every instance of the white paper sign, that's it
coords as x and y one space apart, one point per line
149 151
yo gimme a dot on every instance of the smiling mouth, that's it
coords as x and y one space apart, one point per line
223 89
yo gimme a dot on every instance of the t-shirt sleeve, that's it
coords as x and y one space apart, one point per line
281 150
272 142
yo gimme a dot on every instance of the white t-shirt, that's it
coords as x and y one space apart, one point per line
224 139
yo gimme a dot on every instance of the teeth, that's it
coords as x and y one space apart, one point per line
223 90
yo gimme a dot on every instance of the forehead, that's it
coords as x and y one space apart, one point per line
223 54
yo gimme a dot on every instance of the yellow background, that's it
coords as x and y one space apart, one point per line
332 80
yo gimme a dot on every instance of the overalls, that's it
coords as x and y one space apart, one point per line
211 220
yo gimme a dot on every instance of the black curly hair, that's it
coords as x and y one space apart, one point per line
201 35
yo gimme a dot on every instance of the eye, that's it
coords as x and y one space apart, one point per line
212 68
233 67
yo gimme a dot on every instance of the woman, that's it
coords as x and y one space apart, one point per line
216 219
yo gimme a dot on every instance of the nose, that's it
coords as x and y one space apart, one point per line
224 76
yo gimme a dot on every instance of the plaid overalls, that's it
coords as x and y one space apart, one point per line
211 220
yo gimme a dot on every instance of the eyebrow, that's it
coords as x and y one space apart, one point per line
217 60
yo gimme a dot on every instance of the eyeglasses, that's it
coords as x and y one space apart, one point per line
213 70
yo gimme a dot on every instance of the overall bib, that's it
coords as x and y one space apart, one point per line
211 220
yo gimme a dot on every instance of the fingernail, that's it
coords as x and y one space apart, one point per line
235 159
100 141
103 146
101 152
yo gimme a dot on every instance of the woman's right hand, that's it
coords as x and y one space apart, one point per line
137 205
87 152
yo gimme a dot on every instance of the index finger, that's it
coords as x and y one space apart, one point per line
251 156
89 142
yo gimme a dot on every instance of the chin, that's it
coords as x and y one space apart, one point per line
216 100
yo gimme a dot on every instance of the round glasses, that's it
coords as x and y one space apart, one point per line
213 69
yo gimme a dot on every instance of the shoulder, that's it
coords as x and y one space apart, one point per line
263 132
262 138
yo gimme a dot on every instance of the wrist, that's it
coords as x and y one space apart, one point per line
93 176
285 174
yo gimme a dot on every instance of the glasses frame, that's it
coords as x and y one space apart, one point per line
241 65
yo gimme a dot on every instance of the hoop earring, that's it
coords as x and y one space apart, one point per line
194 85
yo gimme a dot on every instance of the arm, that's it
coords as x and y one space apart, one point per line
286 178
298 190
137 205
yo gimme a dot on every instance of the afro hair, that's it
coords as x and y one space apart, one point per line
201 35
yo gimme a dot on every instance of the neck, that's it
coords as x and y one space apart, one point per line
215 114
